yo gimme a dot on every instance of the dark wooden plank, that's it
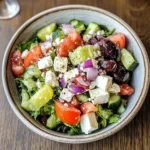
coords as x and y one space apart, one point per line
135 136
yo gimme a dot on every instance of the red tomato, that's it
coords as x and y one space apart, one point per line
125 89
33 56
82 82
17 63
88 107
67 113
75 102
71 42
118 39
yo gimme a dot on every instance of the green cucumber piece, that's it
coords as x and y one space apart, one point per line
30 84
31 72
114 101
121 109
82 53
58 34
82 98
52 121
39 99
92 26
114 118
78 25
128 60
47 30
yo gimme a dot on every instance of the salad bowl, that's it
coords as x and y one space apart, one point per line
140 80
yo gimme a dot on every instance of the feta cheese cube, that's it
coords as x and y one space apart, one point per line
60 64
24 54
38 84
88 123
51 79
115 88
104 82
45 62
66 95
70 75
99 96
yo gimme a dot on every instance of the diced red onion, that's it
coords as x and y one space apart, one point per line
91 73
81 81
63 83
45 46
67 28
76 89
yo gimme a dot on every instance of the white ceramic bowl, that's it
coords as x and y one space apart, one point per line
63 14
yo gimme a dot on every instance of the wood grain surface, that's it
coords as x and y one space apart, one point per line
135 136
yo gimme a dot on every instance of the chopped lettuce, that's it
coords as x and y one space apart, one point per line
114 118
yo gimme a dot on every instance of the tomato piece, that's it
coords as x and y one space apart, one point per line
125 89
69 44
33 56
88 107
67 113
118 39
17 63
82 82
75 102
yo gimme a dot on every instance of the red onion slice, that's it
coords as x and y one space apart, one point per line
91 73
63 83
82 82
76 89
67 28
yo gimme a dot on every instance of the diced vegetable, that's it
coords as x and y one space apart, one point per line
82 53
40 98
58 34
114 118
52 121
125 89
114 101
67 113
67 29
128 60
32 71
92 26
83 98
78 25
88 107
47 30
121 109
75 89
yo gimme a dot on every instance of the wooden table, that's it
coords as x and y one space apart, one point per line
135 136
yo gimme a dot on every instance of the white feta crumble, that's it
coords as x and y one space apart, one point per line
92 32
88 123
54 43
47 37
45 62
104 82
86 37
100 32
38 84
51 79
57 41
60 64
66 95
70 75
95 63
24 54
115 88
99 96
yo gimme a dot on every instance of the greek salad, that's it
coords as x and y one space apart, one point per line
74 78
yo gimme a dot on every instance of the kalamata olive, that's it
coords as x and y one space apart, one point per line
121 75
43 119
93 41
108 65
109 49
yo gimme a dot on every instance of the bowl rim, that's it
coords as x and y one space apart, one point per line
90 138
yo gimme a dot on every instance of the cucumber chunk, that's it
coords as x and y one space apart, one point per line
30 84
47 30
32 71
78 25
92 26
52 121
82 98
128 60
58 34
39 99
82 53
114 101
122 107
